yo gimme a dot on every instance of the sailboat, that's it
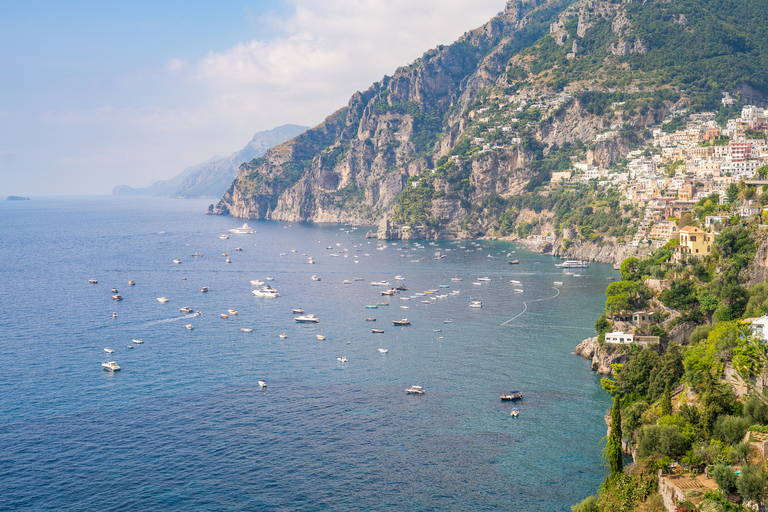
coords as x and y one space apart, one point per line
223 235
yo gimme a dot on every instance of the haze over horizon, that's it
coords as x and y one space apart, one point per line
97 95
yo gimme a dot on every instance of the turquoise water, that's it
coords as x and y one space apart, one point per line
184 424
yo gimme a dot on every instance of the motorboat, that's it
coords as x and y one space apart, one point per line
370 319
512 395
415 390
447 321
204 289
476 304
477 283
257 282
383 304
246 329
404 321
484 278
383 351
269 278
513 281
244 230
138 342
131 282
232 311
114 290
197 255
93 280
519 290
388 292
262 383
515 412
377 331
109 350
400 288
186 309
573 264
297 311
189 327
380 283
266 291
444 286
311 261
558 283
163 299
359 279
228 260
316 278
310 318
346 281
117 297
399 278
223 315
514 262
320 337
371 306
282 335
177 261
111 366
341 359
457 279
404 307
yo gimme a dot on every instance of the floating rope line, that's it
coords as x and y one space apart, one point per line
552 326
526 305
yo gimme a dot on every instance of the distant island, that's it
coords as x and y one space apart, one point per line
16 198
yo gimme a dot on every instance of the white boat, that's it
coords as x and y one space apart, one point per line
573 264
380 283
186 309
483 278
297 311
447 321
346 281
320 337
109 350
399 278
269 278
131 283
519 290
558 283
457 279
244 230
138 342
246 329
228 260
383 351
514 281
267 291
476 304
359 279
232 311
204 289
404 321
93 280
177 261
477 283
197 255
257 282
117 297
262 384
310 318
515 412
282 335
415 390
111 366
189 327
341 359
163 299
316 278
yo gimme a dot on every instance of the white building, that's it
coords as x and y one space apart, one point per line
619 338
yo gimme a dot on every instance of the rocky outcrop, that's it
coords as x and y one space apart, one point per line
602 357
601 252
758 270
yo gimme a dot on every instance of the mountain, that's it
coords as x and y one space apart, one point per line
212 177
461 141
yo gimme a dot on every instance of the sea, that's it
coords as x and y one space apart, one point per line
184 424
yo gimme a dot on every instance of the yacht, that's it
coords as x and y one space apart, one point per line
114 290
267 291
573 264
244 230
519 290
341 359
262 383
269 278
404 321
370 319
163 299
346 281
223 236
512 395
310 318
117 297
415 390
111 366
475 304
380 283
558 283
138 342
257 282
399 278
371 306
228 260
359 279
513 281
223 315
109 350
93 280
513 262
177 261
186 309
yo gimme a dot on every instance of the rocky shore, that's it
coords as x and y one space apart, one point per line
602 357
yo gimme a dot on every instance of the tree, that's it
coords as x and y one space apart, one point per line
724 477
613 447
630 268
666 401
751 484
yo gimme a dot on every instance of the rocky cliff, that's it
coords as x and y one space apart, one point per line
602 356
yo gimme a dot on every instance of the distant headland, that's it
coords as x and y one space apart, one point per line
17 198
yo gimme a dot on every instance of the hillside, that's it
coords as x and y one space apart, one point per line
212 177
464 141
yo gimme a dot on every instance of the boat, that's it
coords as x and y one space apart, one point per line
484 278
573 264
415 390
93 280
117 297
228 260
262 384
341 359
388 292
232 311
189 327
316 278
404 307
371 306
378 331
346 281
447 321
204 289
269 278
282 335
109 350
379 283
131 283
383 351
558 283
444 286
457 279
475 304
177 261
515 412
111 366
519 290
512 395
186 309
359 279
383 304
477 283
310 318
401 288
246 329
513 281
399 278
223 315
257 282
163 299
244 230
514 262
404 321
320 337
370 319
297 311
197 255
266 291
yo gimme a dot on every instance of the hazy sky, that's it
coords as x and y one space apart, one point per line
97 94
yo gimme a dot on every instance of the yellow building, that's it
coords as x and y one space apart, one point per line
695 242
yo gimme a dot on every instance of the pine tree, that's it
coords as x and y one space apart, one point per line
613 447
666 401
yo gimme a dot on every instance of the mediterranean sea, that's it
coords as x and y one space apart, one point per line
184 424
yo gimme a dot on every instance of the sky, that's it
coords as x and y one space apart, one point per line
95 94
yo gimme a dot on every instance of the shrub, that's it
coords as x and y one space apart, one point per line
730 429
724 477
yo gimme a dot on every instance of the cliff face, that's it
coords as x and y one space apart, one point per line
601 358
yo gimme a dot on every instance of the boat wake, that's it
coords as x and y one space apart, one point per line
174 319
535 300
